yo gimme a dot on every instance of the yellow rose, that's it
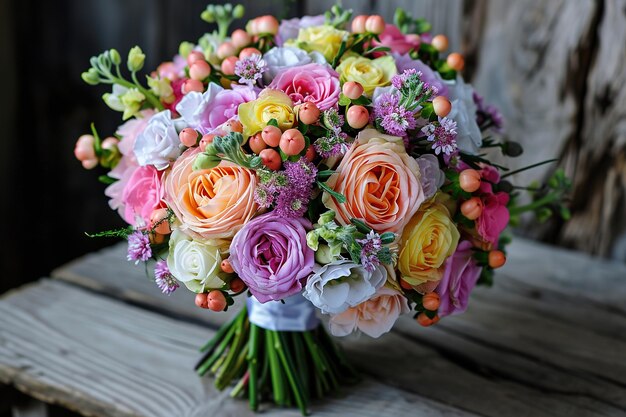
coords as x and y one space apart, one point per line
324 39
271 104
427 241
370 73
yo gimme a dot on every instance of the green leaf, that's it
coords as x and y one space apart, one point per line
105 179
387 238
272 122
422 26
361 226
343 100
377 49
325 173
342 50
427 111
337 196
362 101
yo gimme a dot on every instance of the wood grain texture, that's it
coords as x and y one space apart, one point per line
547 339
101 357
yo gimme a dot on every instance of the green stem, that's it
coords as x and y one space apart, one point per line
149 96
289 370
277 381
252 366
535 204
217 353
528 167
319 365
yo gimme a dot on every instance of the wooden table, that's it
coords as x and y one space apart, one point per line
549 339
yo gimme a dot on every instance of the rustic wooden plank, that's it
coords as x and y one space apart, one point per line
101 357
31 408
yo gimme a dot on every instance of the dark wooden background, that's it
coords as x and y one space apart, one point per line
555 67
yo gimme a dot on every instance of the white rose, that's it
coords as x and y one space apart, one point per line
463 112
158 144
280 58
335 287
431 177
194 263
192 107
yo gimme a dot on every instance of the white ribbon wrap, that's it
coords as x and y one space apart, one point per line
297 314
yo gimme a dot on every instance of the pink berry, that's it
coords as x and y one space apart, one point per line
352 90
441 106
199 70
188 137
292 142
192 85
216 300
110 143
201 300
357 117
271 135
472 208
226 266
240 38
225 50
358 24
469 180
267 24
375 24
256 143
440 42
271 159
228 65
247 52
193 57
308 113
206 140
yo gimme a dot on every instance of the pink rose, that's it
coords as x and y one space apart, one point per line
316 83
459 278
129 132
494 218
373 317
142 194
122 172
399 43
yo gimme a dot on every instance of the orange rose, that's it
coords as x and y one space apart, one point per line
380 182
210 203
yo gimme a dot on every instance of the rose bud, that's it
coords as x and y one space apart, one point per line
308 113
226 266
192 85
228 65
441 106
199 70
240 38
158 220
357 117
206 140
496 259
352 90
271 135
256 143
440 42
472 208
375 24
201 300
267 24
469 180
233 126
237 285
310 153
248 52
430 301
292 142
225 50
216 300
358 24
271 159
194 56
455 61
188 137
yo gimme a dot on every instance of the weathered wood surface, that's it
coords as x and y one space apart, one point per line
548 339
102 357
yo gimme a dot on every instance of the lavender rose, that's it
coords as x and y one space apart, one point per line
459 278
432 177
271 256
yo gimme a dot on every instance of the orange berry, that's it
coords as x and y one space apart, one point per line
240 38
496 258
247 52
201 300
424 320
375 24
216 300
310 153
156 238
271 159
256 143
206 140
440 42
358 117
159 216
431 301
194 56
228 65
267 24
308 113
358 24
234 126
225 50
237 285
271 135
442 106
226 266
292 142
469 180
472 208
188 137
405 285
352 90
199 70
456 61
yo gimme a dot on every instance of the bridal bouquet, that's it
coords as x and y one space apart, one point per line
308 168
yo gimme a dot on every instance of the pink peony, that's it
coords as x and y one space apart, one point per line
494 218
399 43
373 317
316 83
459 278
142 194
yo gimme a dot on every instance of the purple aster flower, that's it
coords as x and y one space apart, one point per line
442 134
393 117
370 246
139 247
333 120
293 200
334 145
487 115
250 69
164 278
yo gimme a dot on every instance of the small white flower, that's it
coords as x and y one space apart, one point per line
158 144
335 287
196 264
281 58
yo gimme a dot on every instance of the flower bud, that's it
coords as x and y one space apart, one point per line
358 24
440 42
326 217
323 255
136 59
91 76
442 106
308 113
472 208
352 90
116 59
357 117
238 11
469 180
85 151
292 142
375 24
185 48
205 161
512 149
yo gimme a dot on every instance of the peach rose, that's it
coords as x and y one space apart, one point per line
380 182
210 203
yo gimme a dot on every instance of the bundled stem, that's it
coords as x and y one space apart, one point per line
266 365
